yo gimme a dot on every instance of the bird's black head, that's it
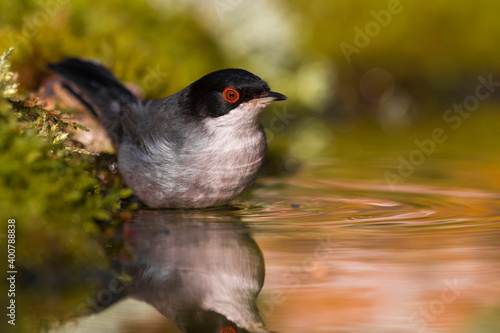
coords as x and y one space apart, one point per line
210 322
217 93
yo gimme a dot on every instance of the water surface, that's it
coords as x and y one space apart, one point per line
346 252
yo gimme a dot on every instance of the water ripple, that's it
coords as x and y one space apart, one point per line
324 203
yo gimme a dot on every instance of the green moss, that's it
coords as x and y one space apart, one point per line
7 85
50 188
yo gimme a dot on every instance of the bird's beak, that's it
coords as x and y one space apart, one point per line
270 96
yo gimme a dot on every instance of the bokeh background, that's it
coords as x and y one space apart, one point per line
365 80
390 65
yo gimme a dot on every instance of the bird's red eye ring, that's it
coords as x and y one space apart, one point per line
227 330
231 95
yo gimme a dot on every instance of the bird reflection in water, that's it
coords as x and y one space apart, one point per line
200 269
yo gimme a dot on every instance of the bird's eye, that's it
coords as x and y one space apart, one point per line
231 95
227 330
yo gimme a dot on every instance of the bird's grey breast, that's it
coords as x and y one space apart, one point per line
208 163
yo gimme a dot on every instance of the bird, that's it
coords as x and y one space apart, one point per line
202 271
200 147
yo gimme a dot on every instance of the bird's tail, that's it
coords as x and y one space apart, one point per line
99 90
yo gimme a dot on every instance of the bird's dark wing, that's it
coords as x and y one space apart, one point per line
99 90
131 126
